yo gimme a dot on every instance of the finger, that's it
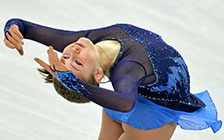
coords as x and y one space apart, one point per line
45 65
9 44
62 60
50 56
20 50
19 34
56 60
59 66
57 63
11 40
55 57
15 29
17 39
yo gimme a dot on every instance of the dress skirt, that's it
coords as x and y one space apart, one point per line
148 115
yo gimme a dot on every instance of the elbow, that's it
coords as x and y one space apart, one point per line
128 106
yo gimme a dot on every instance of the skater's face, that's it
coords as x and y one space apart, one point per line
82 58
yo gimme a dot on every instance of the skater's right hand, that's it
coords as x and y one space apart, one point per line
14 39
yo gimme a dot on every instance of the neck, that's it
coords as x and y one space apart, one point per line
108 51
106 61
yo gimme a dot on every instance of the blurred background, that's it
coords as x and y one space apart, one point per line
32 110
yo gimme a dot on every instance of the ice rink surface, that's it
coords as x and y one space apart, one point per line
32 110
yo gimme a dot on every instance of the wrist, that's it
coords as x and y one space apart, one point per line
12 22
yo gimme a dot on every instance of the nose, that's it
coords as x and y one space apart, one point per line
76 49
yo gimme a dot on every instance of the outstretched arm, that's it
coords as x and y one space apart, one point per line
54 37
127 76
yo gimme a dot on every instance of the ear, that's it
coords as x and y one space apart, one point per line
99 74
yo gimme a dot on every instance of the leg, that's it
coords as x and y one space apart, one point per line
110 129
163 133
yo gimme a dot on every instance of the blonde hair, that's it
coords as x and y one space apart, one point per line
62 90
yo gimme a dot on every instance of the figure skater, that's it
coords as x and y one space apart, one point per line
150 78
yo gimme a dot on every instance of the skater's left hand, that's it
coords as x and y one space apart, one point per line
54 61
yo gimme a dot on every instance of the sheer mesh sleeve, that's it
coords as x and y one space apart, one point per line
126 78
126 75
59 39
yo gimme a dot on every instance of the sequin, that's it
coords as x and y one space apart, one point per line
69 80
8 25
6 28
172 78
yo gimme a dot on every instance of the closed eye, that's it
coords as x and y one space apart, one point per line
65 57
78 63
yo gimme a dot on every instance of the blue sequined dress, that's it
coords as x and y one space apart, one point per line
150 78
